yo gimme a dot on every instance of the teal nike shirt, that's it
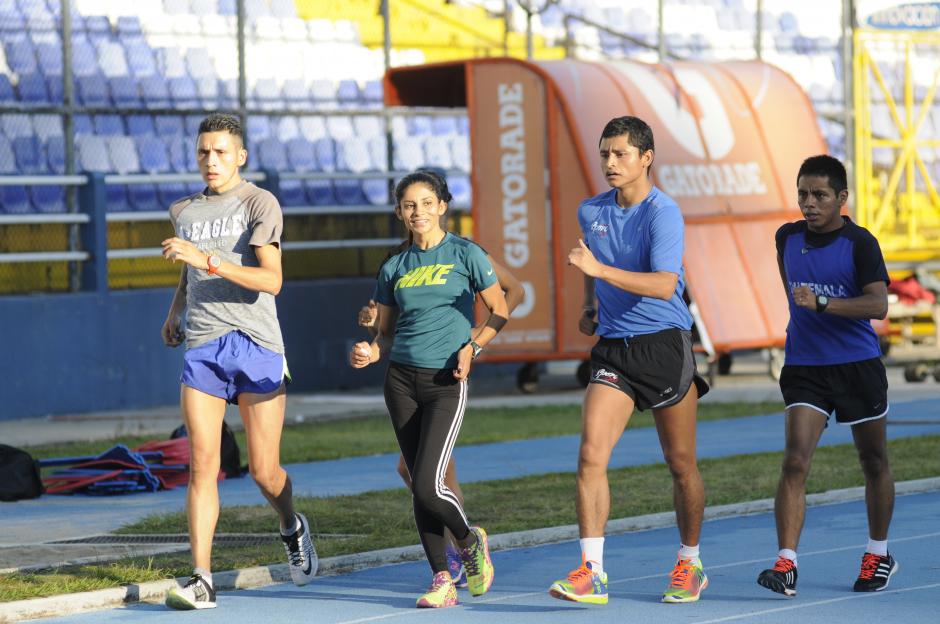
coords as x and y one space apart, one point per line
434 290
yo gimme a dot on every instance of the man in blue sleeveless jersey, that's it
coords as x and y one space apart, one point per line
632 249
836 282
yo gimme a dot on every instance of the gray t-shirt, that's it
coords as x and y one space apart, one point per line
229 225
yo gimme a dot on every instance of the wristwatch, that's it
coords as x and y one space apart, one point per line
477 349
213 264
821 302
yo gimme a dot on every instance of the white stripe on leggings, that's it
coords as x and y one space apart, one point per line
443 492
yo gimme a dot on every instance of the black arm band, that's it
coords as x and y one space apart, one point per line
496 322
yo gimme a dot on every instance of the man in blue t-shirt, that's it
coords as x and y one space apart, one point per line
836 282
633 238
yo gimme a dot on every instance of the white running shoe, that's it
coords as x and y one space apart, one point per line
196 594
301 555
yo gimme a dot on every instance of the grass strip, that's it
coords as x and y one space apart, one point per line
384 519
373 435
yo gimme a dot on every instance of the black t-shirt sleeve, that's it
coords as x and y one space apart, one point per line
869 263
781 236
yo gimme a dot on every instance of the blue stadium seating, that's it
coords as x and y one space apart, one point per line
349 192
116 198
144 197
7 159
153 155
32 89
28 154
153 91
56 89
169 125
93 91
124 92
6 90
14 200
300 155
176 149
140 125
55 154
140 58
48 198
326 154
49 57
109 125
320 192
21 57
183 92
292 193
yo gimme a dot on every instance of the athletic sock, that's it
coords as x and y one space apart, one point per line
786 553
878 547
292 530
592 549
206 576
689 552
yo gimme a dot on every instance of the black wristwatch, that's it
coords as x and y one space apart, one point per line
477 349
821 302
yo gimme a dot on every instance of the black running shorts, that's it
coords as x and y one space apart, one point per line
856 392
655 370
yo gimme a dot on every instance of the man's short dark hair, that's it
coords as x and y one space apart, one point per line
828 167
223 122
639 133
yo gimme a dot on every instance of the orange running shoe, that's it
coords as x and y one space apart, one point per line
582 585
686 582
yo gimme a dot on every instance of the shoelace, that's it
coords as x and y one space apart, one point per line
580 573
681 575
294 552
869 566
439 581
198 585
783 565
471 565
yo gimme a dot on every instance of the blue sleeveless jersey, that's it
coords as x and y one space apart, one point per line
646 238
836 264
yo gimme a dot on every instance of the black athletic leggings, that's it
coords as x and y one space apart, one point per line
426 407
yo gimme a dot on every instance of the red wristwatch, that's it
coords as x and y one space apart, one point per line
213 264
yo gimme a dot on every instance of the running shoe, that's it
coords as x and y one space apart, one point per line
477 564
301 555
686 582
877 571
195 594
582 585
455 566
781 578
442 593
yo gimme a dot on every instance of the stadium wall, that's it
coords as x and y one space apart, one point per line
83 352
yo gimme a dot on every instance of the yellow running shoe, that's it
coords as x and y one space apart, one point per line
686 581
477 564
442 593
582 585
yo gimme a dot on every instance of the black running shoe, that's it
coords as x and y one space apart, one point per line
781 578
196 594
876 572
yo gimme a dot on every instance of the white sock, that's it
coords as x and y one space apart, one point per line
786 553
592 548
877 547
293 529
689 552
205 574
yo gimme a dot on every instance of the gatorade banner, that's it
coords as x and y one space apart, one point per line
511 212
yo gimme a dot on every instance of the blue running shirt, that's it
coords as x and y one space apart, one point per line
836 264
646 238
434 290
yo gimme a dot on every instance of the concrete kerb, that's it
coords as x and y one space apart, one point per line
262 576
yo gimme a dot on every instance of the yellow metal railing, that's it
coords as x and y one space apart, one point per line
896 197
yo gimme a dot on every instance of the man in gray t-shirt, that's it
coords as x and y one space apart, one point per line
228 236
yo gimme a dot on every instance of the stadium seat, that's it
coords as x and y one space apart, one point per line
259 128
366 127
257 8
84 61
128 26
47 126
176 151
372 92
347 93
140 58
55 155
56 89
140 125
169 125
204 7
82 124
283 8
349 192
292 193
296 95
124 92
6 90
154 92
98 27
12 21
176 7
152 155
48 198
320 192
7 159
340 127
143 197
207 89
323 93
300 155
14 200
460 153
191 125
272 154
93 153
444 126
460 189
352 154
409 153
123 154
418 125
313 128
325 150
93 91
266 95
32 89
16 125
20 55
49 57
183 92
437 152
116 198
109 125
228 7
376 191
228 92
111 58
378 152
28 154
